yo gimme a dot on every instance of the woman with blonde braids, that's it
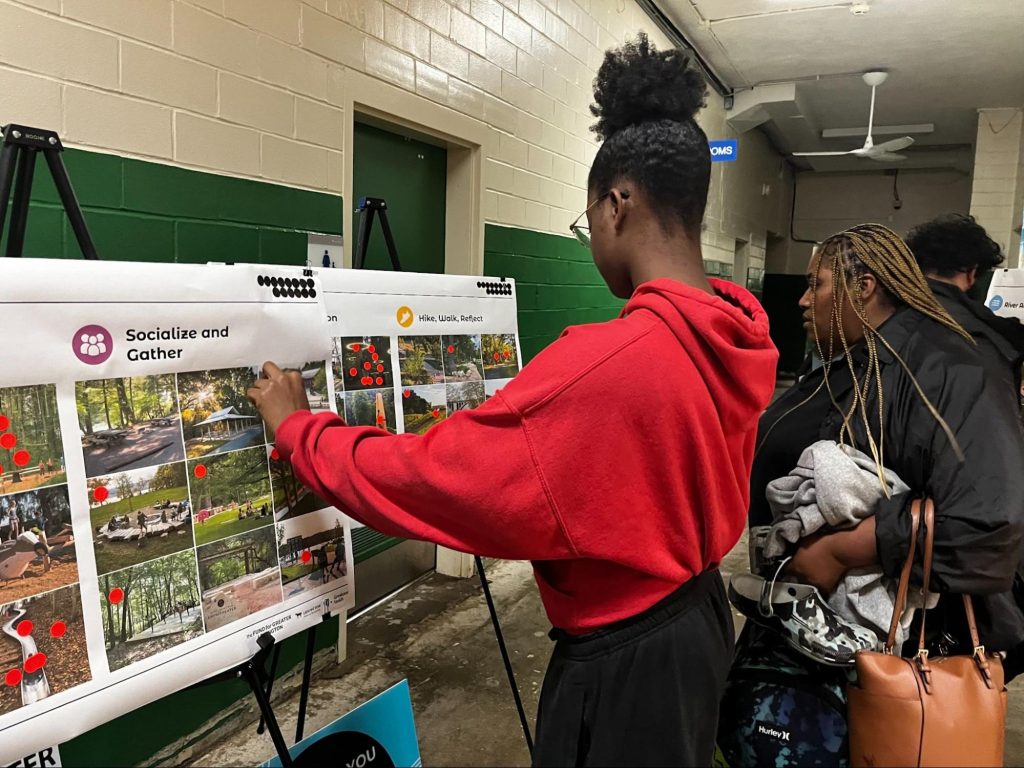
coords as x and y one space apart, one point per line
900 380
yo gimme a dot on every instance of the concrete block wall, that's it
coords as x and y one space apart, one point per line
997 196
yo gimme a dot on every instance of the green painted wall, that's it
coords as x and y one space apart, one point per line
557 284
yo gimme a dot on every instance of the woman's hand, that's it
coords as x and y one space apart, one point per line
279 395
823 560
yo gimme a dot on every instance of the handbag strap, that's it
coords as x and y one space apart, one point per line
904 586
929 545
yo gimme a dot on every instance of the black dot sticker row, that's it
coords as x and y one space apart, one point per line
496 289
288 287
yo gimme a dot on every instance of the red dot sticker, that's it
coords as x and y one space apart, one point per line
380 381
13 677
371 348
367 366
200 471
407 393
436 412
116 595
366 381
21 458
380 418
380 369
497 357
375 357
8 441
4 423
58 629
100 493
24 628
306 556
353 371
507 354
356 347
35 662
275 455
451 348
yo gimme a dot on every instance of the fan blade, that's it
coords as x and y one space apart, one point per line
894 145
823 154
887 157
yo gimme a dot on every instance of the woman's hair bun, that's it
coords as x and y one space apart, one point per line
637 83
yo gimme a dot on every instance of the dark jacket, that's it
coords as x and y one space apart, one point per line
979 503
1000 339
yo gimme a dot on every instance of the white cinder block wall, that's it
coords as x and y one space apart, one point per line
998 194
253 87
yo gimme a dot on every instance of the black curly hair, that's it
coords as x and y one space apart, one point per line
953 243
646 101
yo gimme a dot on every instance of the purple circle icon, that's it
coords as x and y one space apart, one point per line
92 344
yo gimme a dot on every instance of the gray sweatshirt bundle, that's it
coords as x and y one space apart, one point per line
837 486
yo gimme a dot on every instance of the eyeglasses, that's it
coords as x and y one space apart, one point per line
582 231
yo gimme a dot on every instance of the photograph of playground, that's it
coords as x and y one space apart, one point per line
239 577
230 494
128 423
461 356
362 362
314 378
493 385
37 551
423 407
419 360
291 498
149 608
373 408
312 551
42 647
465 395
31 453
216 415
499 353
139 515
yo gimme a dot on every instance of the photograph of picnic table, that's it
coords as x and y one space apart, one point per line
217 417
312 551
128 423
160 495
30 431
239 576
231 494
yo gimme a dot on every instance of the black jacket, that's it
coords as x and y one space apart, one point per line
1000 339
979 503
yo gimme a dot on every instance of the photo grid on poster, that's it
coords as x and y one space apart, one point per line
185 487
43 647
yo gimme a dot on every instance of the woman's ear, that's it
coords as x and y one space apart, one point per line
868 286
618 204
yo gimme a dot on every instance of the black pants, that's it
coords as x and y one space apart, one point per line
642 692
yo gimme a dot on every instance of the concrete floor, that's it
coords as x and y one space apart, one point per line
437 633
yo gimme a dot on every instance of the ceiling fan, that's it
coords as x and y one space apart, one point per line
887 151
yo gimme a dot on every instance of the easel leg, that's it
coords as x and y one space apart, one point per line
67 197
253 678
307 671
270 682
8 161
19 213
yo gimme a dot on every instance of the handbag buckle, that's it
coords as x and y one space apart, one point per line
926 672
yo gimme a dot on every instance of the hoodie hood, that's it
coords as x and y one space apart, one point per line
726 337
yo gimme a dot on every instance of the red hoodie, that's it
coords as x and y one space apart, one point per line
618 460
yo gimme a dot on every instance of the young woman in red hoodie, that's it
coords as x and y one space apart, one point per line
622 451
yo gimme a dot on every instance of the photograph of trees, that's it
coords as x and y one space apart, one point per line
128 423
291 498
499 353
464 395
374 408
56 629
362 362
231 494
31 453
312 551
159 495
239 576
216 414
37 552
423 407
461 356
419 359
149 608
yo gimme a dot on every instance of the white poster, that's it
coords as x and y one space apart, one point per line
148 532
1006 293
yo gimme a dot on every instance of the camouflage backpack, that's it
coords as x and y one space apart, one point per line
780 708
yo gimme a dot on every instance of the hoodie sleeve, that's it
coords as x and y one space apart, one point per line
470 483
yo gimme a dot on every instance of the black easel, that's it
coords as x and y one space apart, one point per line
368 206
21 145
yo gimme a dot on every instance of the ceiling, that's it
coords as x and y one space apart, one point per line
946 59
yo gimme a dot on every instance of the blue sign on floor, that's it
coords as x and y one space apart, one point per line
724 150
378 734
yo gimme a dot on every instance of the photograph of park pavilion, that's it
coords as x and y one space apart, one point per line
128 423
216 415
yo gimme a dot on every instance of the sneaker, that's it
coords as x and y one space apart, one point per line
799 614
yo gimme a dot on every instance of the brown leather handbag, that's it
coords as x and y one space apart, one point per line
939 711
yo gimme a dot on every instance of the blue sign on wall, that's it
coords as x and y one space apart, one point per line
724 150
377 734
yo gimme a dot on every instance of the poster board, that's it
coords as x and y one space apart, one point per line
1006 293
173 535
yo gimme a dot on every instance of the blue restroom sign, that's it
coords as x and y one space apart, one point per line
724 150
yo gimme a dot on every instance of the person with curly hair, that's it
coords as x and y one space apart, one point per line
953 251
618 459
